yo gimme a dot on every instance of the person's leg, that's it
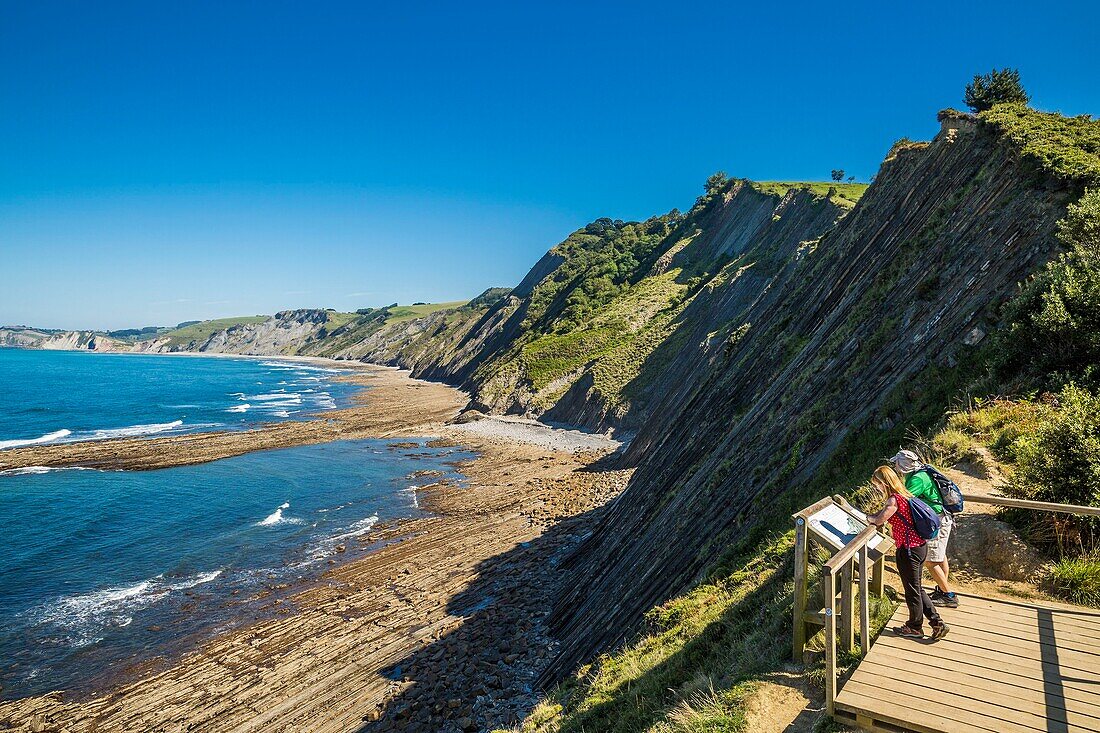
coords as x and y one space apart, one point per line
937 563
939 571
926 606
909 571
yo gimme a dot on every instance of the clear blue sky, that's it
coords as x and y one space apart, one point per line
170 161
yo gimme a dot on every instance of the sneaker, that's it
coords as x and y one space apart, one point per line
907 632
944 600
940 631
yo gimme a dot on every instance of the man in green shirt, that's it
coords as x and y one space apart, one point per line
920 485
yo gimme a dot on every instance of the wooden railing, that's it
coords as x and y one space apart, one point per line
838 578
838 597
839 570
1041 506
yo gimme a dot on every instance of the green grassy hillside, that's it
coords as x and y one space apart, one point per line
201 331
402 313
846 194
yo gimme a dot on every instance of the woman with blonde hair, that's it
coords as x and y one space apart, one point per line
911 554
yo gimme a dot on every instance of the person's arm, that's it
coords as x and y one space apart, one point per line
881 518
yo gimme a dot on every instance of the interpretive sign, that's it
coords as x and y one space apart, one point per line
838 526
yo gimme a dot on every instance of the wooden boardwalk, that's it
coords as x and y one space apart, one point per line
1006 667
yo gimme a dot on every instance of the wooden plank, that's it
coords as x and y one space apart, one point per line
877 704
1035 702
812 508
814 617
1043 506
985 685
801 563
989 639
883 722
847 609
864 602
922 698
1069 614
1022 647
955 648
829 589
1065 638
844 555
1031 678
906 700
1062 622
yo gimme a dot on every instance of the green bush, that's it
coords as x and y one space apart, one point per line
1053 332
1060 463
1077 580
1067 148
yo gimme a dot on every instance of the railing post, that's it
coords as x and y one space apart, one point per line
801 563
876 575
847 607
864 603
828 586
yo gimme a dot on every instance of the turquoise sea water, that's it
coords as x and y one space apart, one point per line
102 569
53 396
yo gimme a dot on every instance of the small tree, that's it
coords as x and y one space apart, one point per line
851 179
716 182
838 174
996 87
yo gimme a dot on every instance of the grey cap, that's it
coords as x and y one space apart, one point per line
907 461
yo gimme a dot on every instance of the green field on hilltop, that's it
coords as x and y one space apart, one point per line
201 331
401 313
847 194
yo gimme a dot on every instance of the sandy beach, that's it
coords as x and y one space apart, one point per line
438 630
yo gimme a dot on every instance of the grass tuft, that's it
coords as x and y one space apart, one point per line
1077 579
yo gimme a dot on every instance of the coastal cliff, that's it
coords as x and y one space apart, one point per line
764 347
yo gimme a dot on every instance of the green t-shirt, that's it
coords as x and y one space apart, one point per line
920 485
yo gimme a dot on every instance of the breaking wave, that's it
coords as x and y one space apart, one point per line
134 431
47 438
276 517
84 617
38 470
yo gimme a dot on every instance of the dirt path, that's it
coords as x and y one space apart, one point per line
440 630
784 702
987 555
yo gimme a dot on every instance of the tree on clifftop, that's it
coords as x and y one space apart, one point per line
838 174
993 88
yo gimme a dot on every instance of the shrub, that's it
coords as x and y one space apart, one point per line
1077 580
1067 148
1054 324
996 87
1060 462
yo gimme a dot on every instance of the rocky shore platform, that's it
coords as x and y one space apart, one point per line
440 629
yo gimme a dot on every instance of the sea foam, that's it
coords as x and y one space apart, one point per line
85 616
47 438
135 430
276 517
38 470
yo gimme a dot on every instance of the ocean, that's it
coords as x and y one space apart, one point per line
56 396
102 569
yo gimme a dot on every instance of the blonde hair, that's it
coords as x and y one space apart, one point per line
886 480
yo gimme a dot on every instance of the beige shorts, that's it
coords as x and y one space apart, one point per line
937 548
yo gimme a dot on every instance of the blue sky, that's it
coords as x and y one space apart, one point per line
162 162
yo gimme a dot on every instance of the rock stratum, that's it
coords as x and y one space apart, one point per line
740 345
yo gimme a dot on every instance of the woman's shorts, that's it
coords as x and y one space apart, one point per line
937 548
